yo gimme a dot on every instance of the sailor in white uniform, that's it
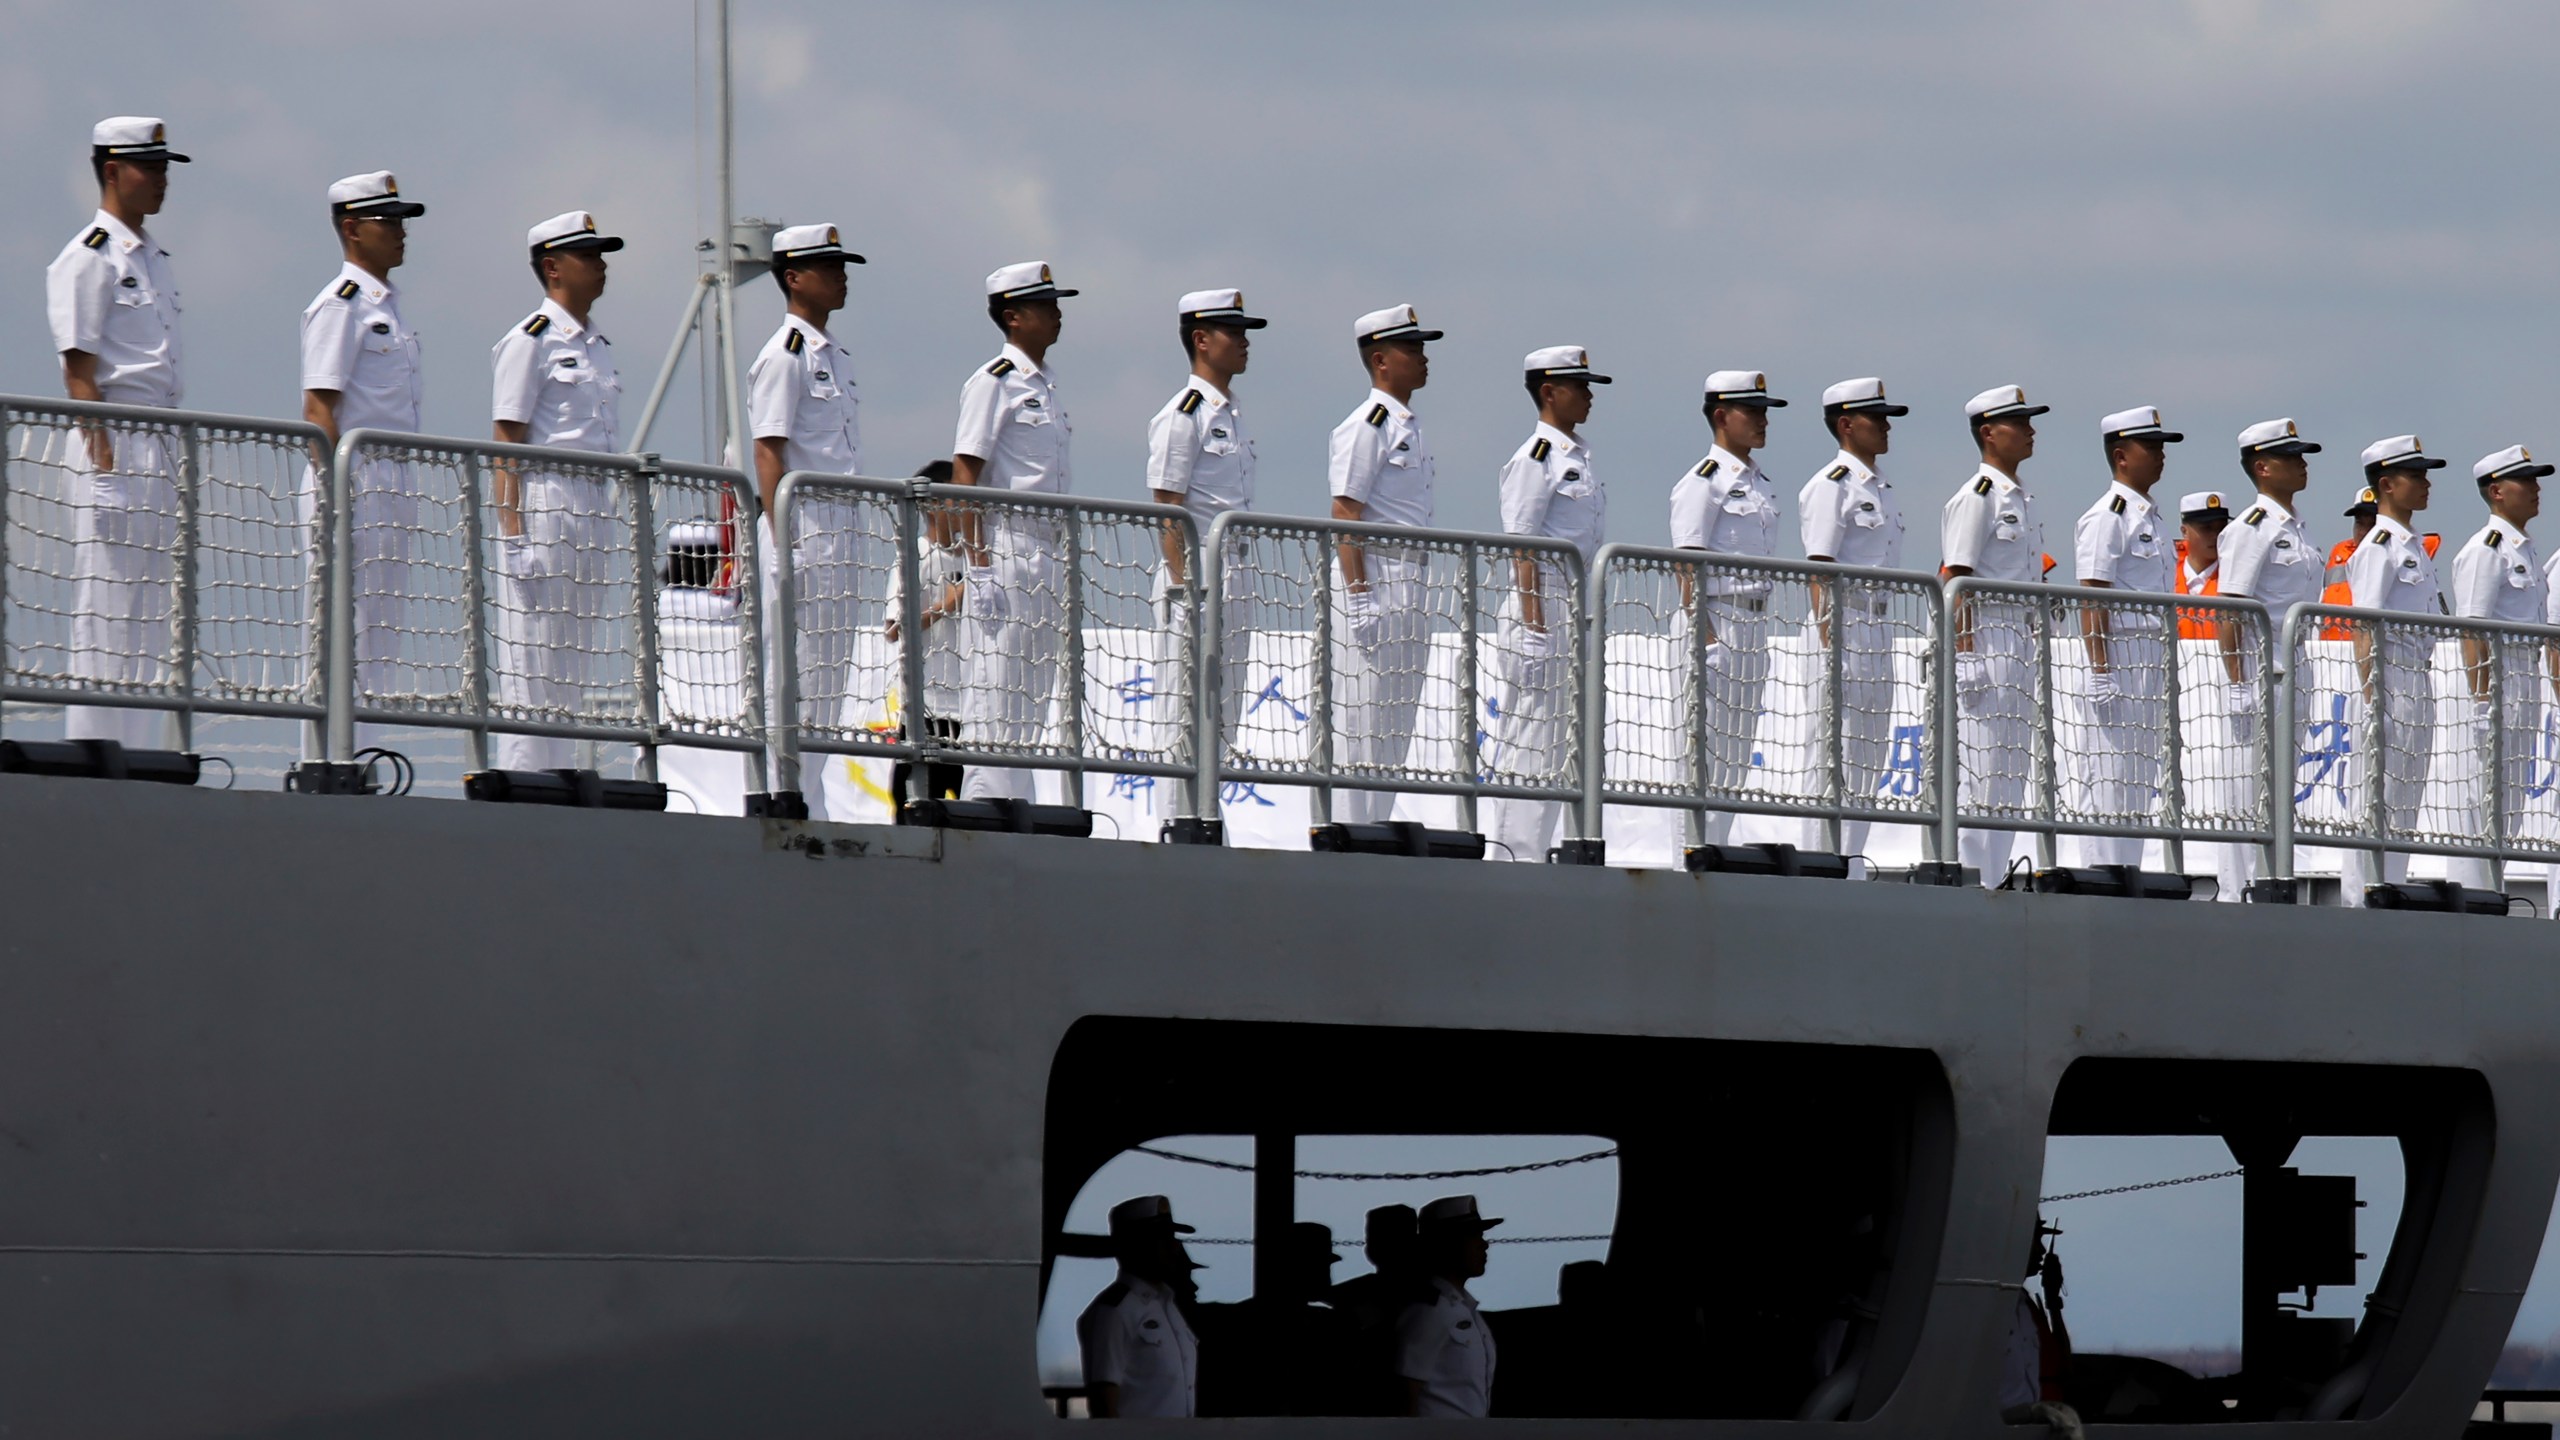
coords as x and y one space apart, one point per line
1725 506
2123 543
2392 571
2218 742
113 305
806 415
2498 576
560 540
1379 469
1200 457
1013 436
2266 557
1989 529
1847 515
1141 1360
1444 1348
1548 488
360 371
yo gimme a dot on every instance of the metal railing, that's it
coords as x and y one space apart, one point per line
158 561
530 597
1456 668
2460 711
2108 713
1766 687
1065 654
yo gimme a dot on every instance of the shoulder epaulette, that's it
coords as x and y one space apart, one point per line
2116 505
1377 415
537 324
1114 1293
796 341
348 289
1982 485
2255 515
1708 467
1190 402
1836 472
1539 449
96 239
2494 537
1001 368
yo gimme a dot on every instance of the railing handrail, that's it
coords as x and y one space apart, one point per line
2312 610
1721 560
2101 595
157 415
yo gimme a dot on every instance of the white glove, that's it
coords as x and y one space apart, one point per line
1177 610
1973 681
2242 706
985 598
2106 703
1360 608
2484 714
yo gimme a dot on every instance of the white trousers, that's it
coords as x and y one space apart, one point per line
2403 673
385 527
2119 753
2518 718
1175 620
1732 680
1380 685
561 586
824 585
1995 726
1864 712
1533 695
124 594
1013 658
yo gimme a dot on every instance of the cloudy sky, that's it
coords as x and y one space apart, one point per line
2231 208
2338 210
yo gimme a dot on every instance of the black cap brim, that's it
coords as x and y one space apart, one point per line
1225 321
2165 437
605 244
1764 402
2282 447
1417 336
2361 507
111 152
2217 513
802 257
1870 407
1571 375
398 210
2520 472
2014 412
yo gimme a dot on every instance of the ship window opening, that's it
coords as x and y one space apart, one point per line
2274 1293
1612 1161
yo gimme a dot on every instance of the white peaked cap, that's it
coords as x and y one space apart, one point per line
2401 452
1561 362
2203 502
376 192
1219 307
1865 393
812 242
1740 387
2275 437
2513 463
1396 322
570 230
2142 422
2000 402
1029 280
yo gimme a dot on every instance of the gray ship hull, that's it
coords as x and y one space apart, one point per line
344 1117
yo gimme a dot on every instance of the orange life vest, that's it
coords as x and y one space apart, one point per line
2197 624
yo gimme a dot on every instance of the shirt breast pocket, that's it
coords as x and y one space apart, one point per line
2520 576
1581 487
1866 516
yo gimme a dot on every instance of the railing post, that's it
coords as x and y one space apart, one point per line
189 565
1834 735
2173 769
478 664
2496 808
1947 752
914 718
1208 572
338 664
1470 705
743 503
644 554
1073 717
782 727
2046 761
1591 698
2281 727
1320 702
8 667
1701 715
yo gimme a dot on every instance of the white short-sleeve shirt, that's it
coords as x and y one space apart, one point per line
2392 570
1725 505
1197 449
355 343
800 391
2123 541
1133 1336
556 378
110 293
1548 488
1444 1344
1989 527
1847 512
1379 458
2498 576
2267 557
1011 418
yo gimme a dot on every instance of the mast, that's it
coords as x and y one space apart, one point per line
732 428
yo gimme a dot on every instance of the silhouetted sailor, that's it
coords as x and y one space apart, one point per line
1140 1357
1444 1350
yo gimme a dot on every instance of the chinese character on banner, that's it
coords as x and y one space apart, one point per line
1271 694
2331 744
1902 777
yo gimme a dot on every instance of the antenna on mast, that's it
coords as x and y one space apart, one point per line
740 248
